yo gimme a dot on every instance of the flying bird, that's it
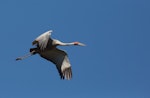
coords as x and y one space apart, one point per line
46 47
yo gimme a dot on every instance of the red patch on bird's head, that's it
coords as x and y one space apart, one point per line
76 43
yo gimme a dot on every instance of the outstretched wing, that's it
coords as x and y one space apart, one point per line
42 40
60 59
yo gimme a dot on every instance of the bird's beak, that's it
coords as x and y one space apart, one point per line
81 44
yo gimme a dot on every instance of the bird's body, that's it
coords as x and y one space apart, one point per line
47 48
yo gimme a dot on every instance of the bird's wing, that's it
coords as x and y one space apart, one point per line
60 59
42 40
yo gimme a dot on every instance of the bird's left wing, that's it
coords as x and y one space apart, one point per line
42 40
60 59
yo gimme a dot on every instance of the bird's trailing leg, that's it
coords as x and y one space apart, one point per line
32 52
23 57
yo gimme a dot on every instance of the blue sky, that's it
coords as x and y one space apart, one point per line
114 64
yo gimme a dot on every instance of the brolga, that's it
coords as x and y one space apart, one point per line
46 47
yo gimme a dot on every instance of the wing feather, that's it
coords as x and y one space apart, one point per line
42 40
60 59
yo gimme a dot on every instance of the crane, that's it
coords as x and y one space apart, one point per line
46 47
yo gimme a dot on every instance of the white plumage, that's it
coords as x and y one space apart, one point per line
43 39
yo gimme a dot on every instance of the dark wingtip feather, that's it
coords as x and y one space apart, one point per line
62 77
34 42
67 73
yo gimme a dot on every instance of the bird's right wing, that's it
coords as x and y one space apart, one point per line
42 40
60 59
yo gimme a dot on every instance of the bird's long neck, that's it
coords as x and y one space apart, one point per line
57 42
66 44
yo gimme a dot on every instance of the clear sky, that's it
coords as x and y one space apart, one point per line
114 64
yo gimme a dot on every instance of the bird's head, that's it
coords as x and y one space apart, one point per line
79 44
